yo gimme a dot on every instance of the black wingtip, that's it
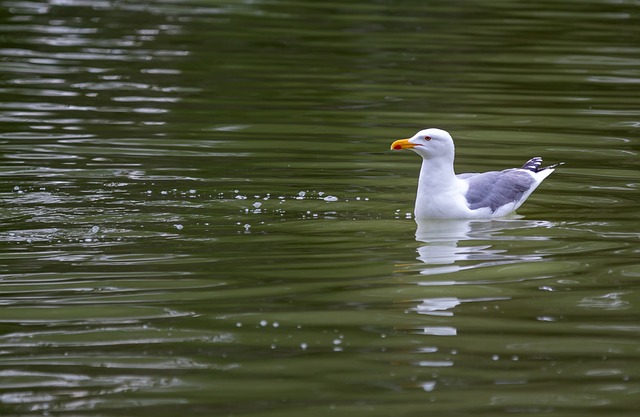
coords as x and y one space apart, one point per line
532 164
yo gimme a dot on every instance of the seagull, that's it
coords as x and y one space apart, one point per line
444 195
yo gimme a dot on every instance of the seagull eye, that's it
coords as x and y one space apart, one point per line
427 138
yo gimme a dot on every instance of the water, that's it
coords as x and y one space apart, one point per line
201 215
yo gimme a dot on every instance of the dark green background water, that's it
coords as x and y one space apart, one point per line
200 215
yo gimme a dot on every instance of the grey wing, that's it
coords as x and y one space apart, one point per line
497 188
467 175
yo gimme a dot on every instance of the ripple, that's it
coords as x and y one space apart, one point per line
44 136
91 315
107 336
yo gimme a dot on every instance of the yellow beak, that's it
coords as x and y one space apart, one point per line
402 144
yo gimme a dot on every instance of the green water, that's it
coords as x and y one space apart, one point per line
201 216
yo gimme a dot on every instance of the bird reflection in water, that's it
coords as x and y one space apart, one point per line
451 246
454 245
454 253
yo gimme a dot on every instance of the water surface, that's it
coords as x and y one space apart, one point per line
201 215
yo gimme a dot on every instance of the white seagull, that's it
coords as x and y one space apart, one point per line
444 195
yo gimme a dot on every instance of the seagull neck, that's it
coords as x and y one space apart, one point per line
437 173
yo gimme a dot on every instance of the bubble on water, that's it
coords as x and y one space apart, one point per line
94 230
428 386
238 324
276 324
257 204
247 227
241 197
330 198
178 226
303 346
192 191
263 323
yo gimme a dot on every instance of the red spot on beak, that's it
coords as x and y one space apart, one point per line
397 147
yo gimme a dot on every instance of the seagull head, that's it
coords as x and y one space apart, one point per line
428 143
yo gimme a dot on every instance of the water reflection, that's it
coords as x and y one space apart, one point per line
457 272
452 246
441 247
451 242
